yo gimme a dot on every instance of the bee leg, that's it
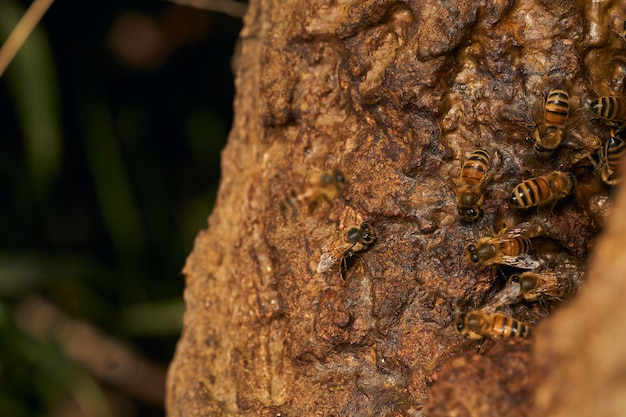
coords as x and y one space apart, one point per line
552 206
484 345
313 205
479 346
500 232
452 171
527 125
343 269
345 264
496 171
544 211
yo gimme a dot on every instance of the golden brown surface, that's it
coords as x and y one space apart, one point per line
395 95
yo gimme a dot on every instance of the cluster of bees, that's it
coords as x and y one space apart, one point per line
510 247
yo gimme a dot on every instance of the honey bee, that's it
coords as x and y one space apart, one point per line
508 247
546 189
475 175
323 185
549 134
355 239
609 158
477 324
610 109
550 285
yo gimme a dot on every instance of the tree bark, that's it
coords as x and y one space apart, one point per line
395 95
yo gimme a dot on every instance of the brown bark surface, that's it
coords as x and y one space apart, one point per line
395 94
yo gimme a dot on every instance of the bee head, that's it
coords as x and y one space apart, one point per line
471 253
338 178
540 149
367 233
469 214
459 323
526 282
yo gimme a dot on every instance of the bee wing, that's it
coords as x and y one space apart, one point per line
507 295
528 229
507 236
576 120
523 261
516 116
327 261
330 243
331 254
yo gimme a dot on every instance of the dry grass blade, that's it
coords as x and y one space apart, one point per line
24 27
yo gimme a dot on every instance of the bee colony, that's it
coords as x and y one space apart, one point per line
409 191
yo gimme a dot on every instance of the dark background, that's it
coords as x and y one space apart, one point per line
112 119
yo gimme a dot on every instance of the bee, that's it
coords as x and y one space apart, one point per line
355 239
477 324
323 185
550 285
610 109
546 189
549 134
609 158
508 247
475 175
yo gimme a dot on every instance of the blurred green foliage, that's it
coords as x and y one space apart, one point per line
32 83
108 169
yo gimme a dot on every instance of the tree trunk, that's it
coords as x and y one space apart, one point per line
394 95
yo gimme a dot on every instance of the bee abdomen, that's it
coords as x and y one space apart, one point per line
476 166
509 327
478 324
530 193
513 247
291 202
609 108
543 190
603 107
557 107
614 151
566 287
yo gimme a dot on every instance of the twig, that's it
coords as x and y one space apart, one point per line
24 27
107 358
230 7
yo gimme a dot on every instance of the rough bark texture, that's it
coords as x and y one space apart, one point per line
396 94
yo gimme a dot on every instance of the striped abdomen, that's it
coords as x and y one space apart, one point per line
609 159
610 108
475 167
294 200
613 152
515 246
543 190
505 326
478 324
556 109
